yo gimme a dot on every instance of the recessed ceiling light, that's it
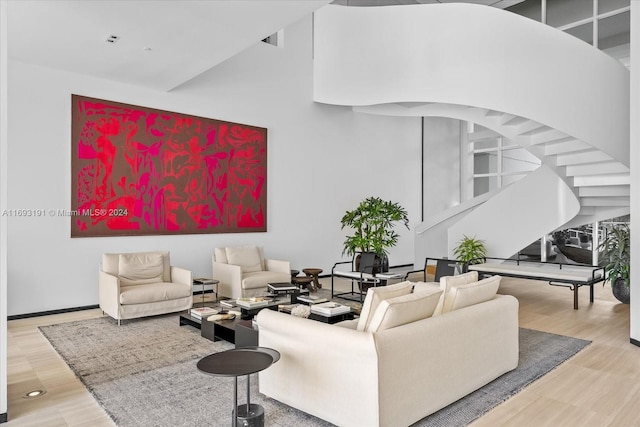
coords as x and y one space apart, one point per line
34 393
147 49
112 38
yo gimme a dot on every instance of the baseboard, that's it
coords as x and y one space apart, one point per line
634 342
3 418
47 313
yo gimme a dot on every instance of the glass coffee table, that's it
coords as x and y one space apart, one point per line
238 362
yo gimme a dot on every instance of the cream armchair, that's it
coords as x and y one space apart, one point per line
244 272
142 284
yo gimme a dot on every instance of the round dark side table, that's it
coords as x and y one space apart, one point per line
237 362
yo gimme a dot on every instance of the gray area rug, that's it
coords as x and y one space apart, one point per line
144 373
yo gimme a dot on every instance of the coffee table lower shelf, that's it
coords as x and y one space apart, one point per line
237 331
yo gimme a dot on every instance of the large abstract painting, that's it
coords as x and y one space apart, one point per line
141 171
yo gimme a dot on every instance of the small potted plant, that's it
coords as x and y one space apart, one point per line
469 251
615 254
373 222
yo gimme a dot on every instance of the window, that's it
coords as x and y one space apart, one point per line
604 24
497 161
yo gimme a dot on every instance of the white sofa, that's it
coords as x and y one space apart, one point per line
394 376
142 284
243 271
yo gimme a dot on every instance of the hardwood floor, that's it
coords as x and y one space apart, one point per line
600 386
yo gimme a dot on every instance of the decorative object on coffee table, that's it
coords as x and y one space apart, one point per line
313 273
301 311
305 282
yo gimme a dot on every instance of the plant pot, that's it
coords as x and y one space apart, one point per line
381 266
621 291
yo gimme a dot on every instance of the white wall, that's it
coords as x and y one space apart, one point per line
3 204
635 168
441 165
322 160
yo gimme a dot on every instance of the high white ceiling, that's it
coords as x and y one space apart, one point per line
501 4
161 44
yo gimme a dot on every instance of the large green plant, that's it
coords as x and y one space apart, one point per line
373 222
615 251
468 249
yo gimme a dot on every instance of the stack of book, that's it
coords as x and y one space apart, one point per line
200 312
311 299
279 287
286 308
330 309
204 281
252 302
227 303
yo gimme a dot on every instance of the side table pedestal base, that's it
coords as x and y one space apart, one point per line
255 417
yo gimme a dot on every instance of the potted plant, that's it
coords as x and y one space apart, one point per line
616 257
468 251
373 222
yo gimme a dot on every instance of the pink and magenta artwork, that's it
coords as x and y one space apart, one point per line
142 171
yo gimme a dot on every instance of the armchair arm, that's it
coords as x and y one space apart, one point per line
109 294
230 277
181 275
277 266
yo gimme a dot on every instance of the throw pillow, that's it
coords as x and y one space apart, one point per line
247 257
375 296
448 282
473 293
404 309
140 269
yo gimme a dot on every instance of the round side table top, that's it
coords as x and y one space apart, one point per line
238 361
312 270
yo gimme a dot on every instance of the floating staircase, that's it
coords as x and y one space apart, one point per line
562 100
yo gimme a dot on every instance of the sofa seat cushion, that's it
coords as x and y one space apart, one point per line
247 257
140 268
449 282
375 296
404 309
153 292
260 279
472 293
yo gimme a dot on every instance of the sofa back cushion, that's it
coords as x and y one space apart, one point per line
449 282
140 269
472 293
404 309
377 295
111 263
426 286
247 257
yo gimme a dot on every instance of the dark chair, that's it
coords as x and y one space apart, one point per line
364 267
443 267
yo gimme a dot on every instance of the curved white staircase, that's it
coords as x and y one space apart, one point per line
559 98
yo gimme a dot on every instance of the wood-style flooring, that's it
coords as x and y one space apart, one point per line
600 386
